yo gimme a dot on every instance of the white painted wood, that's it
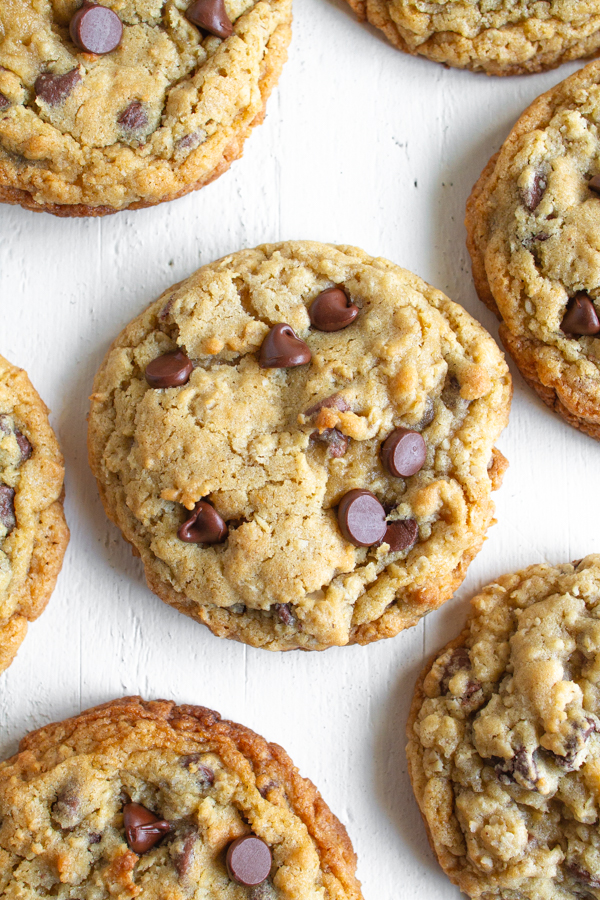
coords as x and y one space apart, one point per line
361 145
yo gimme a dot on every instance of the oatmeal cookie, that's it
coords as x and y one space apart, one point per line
126 103
151 799
501 37
33 531
504 743
298 441
532 223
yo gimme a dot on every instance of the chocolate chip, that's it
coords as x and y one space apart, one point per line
451 391
401 535
134 117
211 16
581 317
94 837
184 853
594 184
191 141
337 442
404 452
24 446
249 860
204 526
4 102
283 349
142 828
332 310
96 29
204 774
54 89
66 808
335 401
169 370
534 192
361 518
520 769
581 874
284 613
7 508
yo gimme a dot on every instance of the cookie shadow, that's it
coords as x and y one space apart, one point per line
392 783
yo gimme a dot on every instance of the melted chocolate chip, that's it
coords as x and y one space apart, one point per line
249 860
211 16
4 102
332 310
184 856
335 401
581 317
7 508
337 442
458 660
283 349
134 117
24 446
66 808
361 518
204 526
521 769
204 774
142 828
574 744
96 29
577 871
594 184
54 89
94 837
191 141
451 392
284 613
169 370
404 452
534 192
401 535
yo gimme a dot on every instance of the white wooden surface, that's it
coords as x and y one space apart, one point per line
361 145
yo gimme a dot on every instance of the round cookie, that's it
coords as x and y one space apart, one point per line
151 799
274 422
33 531
505 37
163 113
504 750
532 221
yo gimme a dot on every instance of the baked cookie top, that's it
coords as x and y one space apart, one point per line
504 750
163 112
150 799
268 432
501 37
532 221
33 532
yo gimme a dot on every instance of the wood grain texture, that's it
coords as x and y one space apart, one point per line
361 145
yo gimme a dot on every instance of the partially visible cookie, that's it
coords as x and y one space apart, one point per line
298 441
127 103
533 220
504 739
33 531
510 37
155 800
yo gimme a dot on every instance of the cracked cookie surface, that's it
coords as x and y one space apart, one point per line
163 114
532 223
274 450
499 37
209 781
33 531
504 749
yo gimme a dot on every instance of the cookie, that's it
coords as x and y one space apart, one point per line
133 102
151 799
506 37
532 221
298 441
504 742
33 531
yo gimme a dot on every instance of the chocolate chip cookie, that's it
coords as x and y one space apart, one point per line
298 441
155 800
532 221
504 743
127 103
503 37
33 531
